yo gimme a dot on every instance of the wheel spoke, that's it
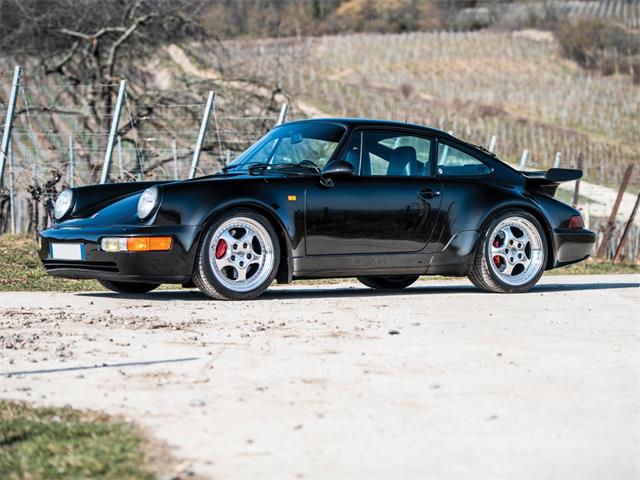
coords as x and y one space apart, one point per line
242 274
247 237
508 236
508 268
224 261
497 251
227 237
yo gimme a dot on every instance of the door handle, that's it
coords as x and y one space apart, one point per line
428 193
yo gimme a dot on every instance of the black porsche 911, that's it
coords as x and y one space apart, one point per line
382 201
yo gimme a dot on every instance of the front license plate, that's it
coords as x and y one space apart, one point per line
66 251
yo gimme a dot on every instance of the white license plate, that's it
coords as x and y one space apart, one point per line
66 251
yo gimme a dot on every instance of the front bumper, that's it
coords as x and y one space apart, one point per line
573 246
172 266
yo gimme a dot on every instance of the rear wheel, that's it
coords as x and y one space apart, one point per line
511 254
394 282
128 287
238 257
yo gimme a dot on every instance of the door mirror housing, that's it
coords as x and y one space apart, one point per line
339 168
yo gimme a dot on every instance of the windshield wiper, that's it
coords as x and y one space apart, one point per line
236 166
301 167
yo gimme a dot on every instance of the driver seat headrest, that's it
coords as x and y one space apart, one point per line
402 162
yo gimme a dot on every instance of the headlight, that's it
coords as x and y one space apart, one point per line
63 204
148 201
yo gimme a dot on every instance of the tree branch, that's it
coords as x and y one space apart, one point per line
123 38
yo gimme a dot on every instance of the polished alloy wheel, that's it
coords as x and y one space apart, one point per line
241 254
516 253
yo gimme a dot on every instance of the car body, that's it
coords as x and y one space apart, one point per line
387 199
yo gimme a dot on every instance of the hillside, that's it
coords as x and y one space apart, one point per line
476 84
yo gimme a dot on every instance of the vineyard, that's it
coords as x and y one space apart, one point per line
474 84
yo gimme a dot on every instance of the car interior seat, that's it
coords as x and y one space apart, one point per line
403 162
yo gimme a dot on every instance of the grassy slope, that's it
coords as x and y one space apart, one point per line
20 270
57 443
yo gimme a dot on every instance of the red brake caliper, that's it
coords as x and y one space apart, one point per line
496 258
221 249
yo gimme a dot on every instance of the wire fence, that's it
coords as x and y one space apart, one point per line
58 141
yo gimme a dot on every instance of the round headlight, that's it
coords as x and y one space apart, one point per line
63 204
148 201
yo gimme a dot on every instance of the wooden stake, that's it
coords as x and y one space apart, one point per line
614 212
616 257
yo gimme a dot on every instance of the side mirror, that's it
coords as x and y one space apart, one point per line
338 169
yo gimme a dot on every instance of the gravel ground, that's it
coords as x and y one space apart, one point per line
436 381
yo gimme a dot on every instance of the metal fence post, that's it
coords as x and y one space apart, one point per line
523 159
576 189
12 193
8 123
201 134
114 130
72 164
283 114
174 150
492 144
120 160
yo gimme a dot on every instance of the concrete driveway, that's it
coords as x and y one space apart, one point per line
438 381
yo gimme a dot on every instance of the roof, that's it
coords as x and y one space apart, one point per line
367 122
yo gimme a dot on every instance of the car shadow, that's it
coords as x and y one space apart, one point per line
96 366
321 291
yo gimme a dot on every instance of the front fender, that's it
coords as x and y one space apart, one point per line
199 203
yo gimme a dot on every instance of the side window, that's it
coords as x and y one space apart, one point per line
395 154
352 154
453 162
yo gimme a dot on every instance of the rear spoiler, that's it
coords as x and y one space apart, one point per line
548 181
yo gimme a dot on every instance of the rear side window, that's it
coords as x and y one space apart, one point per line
454 162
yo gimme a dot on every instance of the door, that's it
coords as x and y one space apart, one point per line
389 206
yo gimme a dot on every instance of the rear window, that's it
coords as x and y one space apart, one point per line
454 162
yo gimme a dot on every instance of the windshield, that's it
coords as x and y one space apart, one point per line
310 145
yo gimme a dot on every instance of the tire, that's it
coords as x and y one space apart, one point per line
128 287
238 256
395 282
511 254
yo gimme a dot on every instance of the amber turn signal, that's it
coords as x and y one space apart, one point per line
148 244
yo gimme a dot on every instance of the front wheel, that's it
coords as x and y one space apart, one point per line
128 287
511 254
238 257
395 282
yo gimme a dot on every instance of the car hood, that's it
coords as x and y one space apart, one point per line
116 204
120 212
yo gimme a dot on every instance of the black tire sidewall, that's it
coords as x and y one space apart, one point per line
203 259
486 254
